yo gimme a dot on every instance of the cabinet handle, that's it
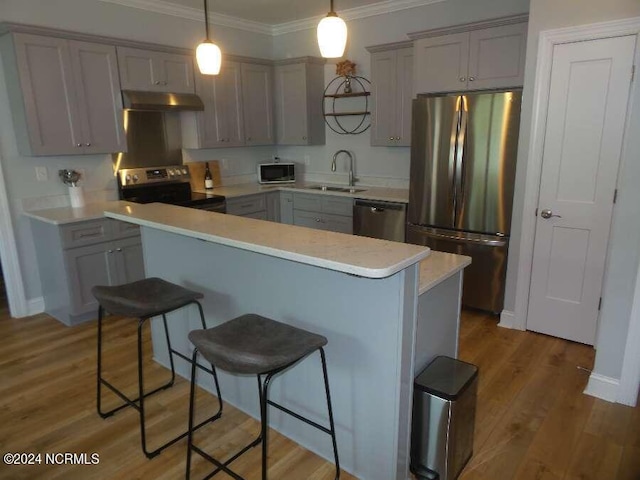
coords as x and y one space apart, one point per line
78 144
109 251
318 220
157 82
391 138
462 79
164 83
118 249
471 79
304 138
82 235
88 144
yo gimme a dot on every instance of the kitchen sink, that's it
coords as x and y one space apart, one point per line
327 188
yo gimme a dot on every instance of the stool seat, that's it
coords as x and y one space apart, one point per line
145 298
252 344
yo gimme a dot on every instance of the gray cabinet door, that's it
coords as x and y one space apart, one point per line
441 63
138 71
291 104
496 57
337 223
231 96
286 207
404 96
176 72
97 84
50 104
273 206
86 267
155 71
257 100
383 96
128 259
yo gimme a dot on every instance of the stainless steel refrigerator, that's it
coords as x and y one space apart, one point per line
463 162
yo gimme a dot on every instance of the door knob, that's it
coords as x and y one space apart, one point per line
548 214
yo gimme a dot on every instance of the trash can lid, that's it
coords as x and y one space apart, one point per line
446 377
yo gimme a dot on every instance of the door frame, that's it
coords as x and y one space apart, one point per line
9 255
548 39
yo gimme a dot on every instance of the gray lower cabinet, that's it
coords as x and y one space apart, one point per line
273 206
251 206
286 207
324 212
65 95
72 258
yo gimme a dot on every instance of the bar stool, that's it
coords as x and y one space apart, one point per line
252 344
145 299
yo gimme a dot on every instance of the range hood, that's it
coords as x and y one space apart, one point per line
160 101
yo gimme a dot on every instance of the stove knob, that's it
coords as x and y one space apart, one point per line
177 172
171 173
136 178
185 171
127 179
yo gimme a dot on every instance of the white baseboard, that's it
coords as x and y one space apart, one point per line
507 319
605 388
35 306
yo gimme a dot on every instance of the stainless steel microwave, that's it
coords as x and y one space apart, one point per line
276 173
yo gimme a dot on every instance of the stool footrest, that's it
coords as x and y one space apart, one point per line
128 401
299 417
223 466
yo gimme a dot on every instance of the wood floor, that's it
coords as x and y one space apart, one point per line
533 422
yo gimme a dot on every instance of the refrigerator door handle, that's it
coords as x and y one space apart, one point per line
487 242
460 164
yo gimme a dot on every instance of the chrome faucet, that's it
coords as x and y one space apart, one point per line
352 179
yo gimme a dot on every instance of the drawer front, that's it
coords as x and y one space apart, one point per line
246 205
309 203
125 229
338 223
85 233
308 219
337 205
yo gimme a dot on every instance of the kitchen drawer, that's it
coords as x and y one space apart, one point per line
308 219
85 233
337 205
125 229
246 205
309 203
337 223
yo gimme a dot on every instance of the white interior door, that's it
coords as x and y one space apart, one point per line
586 114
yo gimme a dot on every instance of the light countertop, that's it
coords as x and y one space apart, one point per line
64 215
361 256
369 193
439 266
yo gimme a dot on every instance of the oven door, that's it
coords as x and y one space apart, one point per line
211 207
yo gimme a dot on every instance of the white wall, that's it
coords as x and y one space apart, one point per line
100 18
625 236
380 163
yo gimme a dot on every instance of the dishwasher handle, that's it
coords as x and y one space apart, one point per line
380 207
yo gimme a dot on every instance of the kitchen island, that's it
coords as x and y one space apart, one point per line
361 293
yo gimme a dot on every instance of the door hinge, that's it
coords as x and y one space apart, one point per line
615 195
536 212
633 72
600 304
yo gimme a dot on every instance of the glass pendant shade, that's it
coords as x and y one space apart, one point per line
332 36
209 58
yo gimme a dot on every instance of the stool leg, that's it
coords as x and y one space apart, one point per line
331 424
264 400
191 408
143 436
170 350
99 366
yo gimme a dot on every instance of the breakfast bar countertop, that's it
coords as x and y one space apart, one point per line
361 256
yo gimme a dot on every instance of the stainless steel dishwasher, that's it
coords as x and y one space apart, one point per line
385 220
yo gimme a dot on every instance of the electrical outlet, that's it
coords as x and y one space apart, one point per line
307 160
225 164
42 175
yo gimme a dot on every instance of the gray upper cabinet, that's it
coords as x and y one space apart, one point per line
299 87
65 95
257 100
238 108
221 124
392 92
155 71
478 59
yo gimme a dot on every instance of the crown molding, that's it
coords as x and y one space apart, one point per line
167 8
467 27
196 14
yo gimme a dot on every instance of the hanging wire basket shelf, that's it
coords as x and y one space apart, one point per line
347 87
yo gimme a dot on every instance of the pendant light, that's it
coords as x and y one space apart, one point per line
332 35
208 54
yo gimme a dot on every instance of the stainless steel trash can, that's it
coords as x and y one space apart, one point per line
444 410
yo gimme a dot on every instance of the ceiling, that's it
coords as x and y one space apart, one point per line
272 12
271 16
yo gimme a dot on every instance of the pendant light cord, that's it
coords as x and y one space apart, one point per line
206 19
330 8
